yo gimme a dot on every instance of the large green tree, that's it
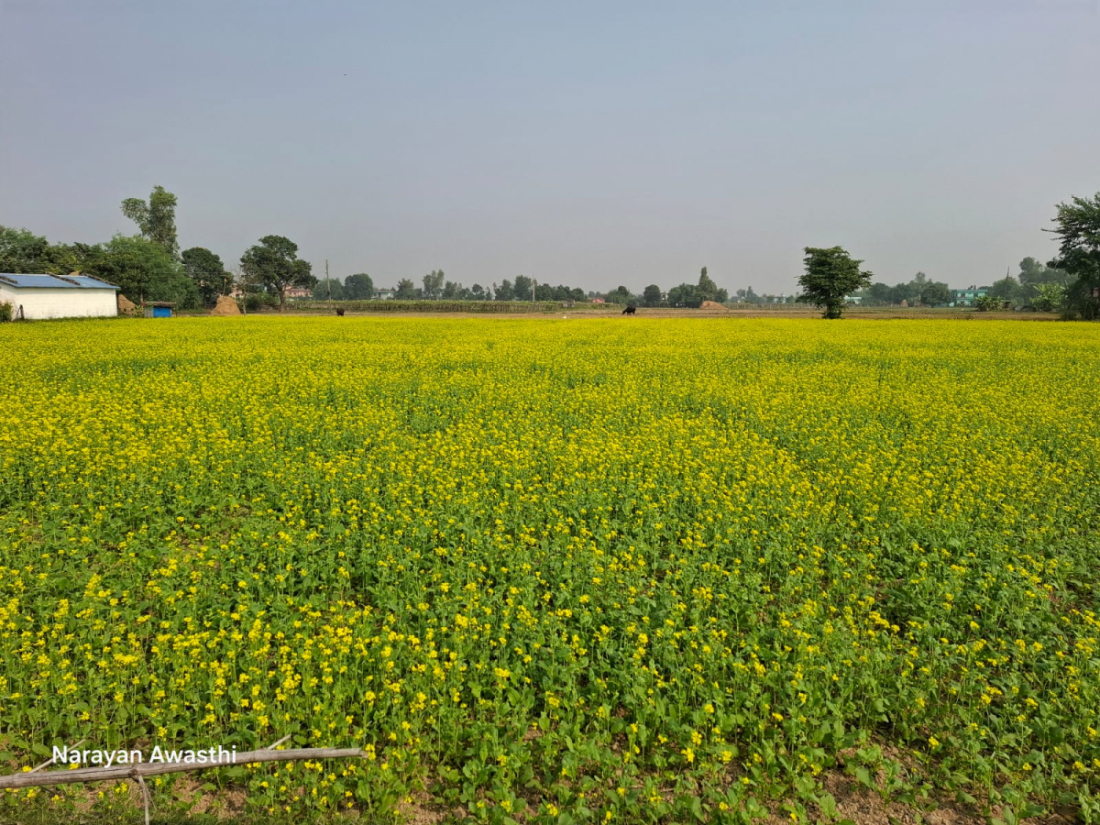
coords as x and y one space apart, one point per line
207 272
406 290
880 293
327 288
1005 289
620 295
935 294
907 292
910 293
274 264
22 252
142 269
156 218
62 259
684 295
433 284
1033 273
1078 229
359 287
523 288
831 275
707 289
651 297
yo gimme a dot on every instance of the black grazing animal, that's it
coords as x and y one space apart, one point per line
630 310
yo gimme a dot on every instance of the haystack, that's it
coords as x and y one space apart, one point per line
126 306
225 306
711 305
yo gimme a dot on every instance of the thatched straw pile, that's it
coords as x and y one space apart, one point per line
225 306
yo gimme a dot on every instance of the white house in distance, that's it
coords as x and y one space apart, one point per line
37 297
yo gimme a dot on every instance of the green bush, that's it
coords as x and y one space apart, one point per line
255 301
986 303
1050 297
6 312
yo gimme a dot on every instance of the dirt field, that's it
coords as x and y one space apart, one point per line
854 313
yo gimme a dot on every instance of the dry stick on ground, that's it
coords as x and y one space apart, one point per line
143 769
145 796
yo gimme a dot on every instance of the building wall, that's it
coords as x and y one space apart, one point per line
39 304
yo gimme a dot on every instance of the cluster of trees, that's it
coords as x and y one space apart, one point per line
693 295
1036 284
273 266
1078 230
1070 282
149 266
749 296
682 295
831 271
357 287
920 290
435 287
142 268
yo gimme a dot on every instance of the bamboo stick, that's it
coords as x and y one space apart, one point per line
145 796
142 769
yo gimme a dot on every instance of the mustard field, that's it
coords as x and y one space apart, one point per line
560 571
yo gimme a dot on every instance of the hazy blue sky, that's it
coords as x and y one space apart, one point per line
590 143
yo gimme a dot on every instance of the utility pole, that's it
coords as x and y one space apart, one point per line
240 283
328 285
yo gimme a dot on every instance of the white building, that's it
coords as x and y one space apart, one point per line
36 297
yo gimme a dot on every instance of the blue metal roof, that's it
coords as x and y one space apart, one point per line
53 282
88 282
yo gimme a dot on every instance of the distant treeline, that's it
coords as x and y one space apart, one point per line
149 266
1026 287
435 287
393 305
